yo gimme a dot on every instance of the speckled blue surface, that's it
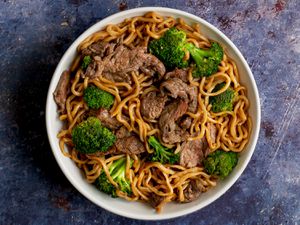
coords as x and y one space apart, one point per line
33 37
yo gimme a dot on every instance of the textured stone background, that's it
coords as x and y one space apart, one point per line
33 37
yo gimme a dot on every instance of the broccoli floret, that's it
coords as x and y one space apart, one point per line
161 154
103 184
220 163
96 98
90 136
117 172
86 61
170 48
206 60
223 101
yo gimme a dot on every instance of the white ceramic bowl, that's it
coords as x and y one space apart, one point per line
139 210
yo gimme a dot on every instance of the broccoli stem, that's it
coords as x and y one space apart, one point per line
154 143
117 171
197 52
119 167
161 154
116 165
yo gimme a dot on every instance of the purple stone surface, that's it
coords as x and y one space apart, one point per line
33 37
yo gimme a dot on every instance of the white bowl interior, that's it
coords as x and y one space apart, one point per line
135 209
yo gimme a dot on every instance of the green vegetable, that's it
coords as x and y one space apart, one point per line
220 163
161 154
86 61
171 47
206 60
90 136
223 101
96 98
117 172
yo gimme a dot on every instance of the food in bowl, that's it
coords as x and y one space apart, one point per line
153 110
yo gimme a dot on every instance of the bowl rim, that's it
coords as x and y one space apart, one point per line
57 153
